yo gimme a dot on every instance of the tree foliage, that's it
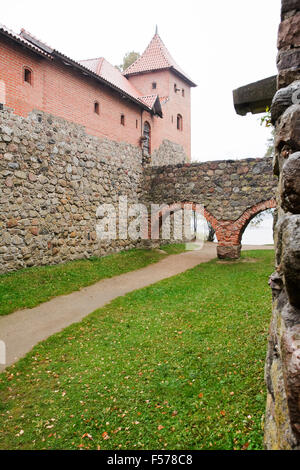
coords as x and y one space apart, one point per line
128 59
266 121
259 218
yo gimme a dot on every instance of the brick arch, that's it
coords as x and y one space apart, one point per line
174 207
244 220
242 223
228 232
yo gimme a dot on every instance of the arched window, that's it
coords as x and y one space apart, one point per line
147 137
96 107
27 75
179 122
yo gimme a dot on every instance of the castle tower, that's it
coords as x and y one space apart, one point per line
157 73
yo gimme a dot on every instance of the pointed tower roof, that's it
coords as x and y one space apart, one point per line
156 57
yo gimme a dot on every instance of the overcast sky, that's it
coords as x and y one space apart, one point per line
220 44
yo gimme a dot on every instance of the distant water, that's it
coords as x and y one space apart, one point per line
261 235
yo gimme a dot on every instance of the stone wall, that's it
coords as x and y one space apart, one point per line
232 192
53 176
282 424
168 153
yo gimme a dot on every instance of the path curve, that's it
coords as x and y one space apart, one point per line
23 329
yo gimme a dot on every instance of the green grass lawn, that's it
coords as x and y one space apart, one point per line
176 365
29 287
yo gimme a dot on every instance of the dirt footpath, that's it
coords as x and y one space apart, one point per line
23 329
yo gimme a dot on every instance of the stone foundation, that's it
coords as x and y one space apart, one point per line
229 252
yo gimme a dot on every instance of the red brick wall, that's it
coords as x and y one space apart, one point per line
177 104
64 92
21 96
59 90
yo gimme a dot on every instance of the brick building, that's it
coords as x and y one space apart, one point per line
148 105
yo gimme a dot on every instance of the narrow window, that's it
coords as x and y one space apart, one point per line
175 88
147 137
179 122
96 107
122 120
28 76
183 92
154 86
136 123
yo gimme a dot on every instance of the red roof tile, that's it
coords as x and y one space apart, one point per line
111 74
100 67
156 57
149 100
22 40
153 102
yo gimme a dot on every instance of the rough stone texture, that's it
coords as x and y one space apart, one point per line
226 188
288 128
290 258
229 252
168 153
289 32
282 372
289 7
290 184
283 99
288 59
232 193
53 177
286 77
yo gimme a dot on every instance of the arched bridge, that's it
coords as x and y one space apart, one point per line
231 191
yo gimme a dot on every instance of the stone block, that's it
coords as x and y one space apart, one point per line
283 99
290 257
288 128
289 32
286 77
290 184
229 252
288 59
289 5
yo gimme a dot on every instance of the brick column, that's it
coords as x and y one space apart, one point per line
229 245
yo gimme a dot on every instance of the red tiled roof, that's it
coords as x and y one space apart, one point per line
153 102
111 74
149 100
100 68
23 41
156 57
